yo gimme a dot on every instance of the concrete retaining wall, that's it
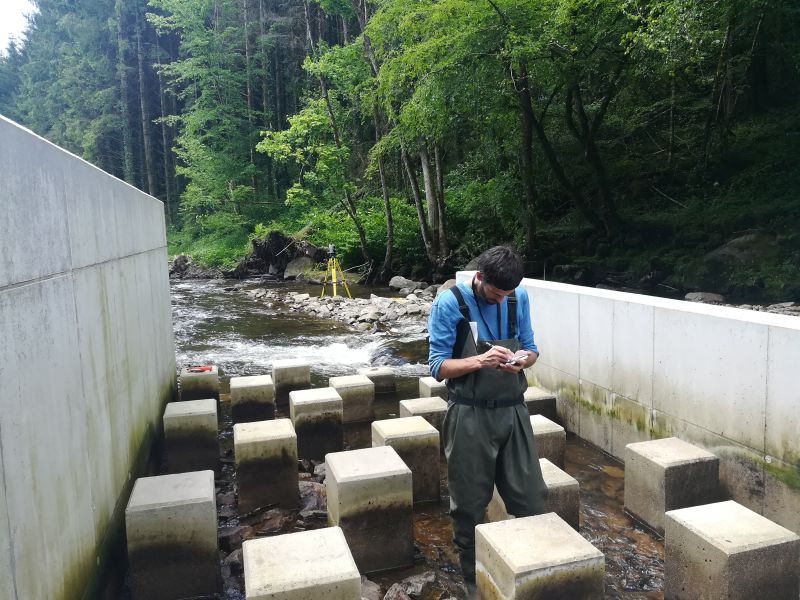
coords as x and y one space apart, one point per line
630 368
87 361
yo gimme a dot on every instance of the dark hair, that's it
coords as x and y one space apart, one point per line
501 267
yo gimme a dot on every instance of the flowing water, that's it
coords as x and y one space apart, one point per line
215 324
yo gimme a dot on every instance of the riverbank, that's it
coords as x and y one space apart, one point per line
408 313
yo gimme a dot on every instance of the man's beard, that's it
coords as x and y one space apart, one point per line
482 294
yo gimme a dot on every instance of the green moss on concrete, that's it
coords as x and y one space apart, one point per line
100 576
788 475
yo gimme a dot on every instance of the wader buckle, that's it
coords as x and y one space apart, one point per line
491 403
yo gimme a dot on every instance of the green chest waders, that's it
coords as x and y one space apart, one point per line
489 388
488 439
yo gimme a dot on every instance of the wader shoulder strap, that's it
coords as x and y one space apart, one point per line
463 331
512 315
462 306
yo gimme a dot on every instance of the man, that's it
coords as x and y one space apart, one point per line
486 431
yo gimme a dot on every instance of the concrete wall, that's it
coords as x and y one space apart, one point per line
630 368
87 361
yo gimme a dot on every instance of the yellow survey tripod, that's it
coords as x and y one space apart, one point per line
333 271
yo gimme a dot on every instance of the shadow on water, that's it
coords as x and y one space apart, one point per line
243 337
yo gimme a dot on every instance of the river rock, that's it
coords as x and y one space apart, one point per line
370 590
396 592
312 496
445 286
401 283
706 297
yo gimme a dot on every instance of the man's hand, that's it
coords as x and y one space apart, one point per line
495 357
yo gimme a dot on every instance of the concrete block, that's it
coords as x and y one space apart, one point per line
417 443
430 409
266 464
563 496
536 557
171 527
317 418
190 435
370 497
667 474
540 402
289 375
551 439
382 377
358 394
252 399
726 551
429 387
307 564
199 385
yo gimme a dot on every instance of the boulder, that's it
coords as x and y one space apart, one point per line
705 297
297 267
445 286
401 283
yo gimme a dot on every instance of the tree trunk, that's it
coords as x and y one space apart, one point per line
362 238
529 195
415 192
430 197
386 270
122 75
443 245
165 143
146 135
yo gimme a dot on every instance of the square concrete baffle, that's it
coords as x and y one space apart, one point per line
252 399
667 474
171 528
536 557
358 395
430 409
317 418
429 387
199 385
266 464
726 551
190 435
417 443
370 498
382 377
551 439
563 496
308 564
289 375
540 402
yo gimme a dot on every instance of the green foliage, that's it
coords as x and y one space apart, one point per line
216 240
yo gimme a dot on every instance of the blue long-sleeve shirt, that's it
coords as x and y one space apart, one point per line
445 316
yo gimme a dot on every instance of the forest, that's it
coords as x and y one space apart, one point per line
646 144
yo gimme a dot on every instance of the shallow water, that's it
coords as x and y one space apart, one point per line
243 337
